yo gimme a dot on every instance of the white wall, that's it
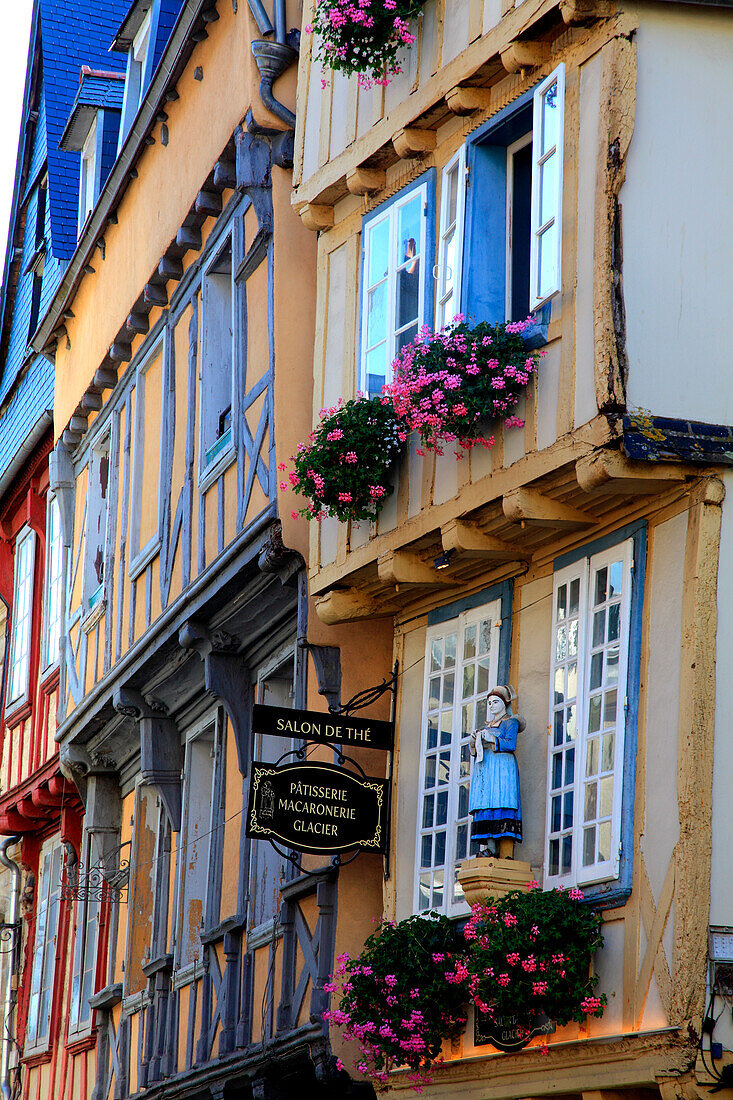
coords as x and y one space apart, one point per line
677 201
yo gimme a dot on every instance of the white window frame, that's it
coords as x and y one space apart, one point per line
136 78
391 214
21 625
48 893
515 147
492 612
539 157
89 170
456 163
140 556
584 571
53 608
87 919
215 457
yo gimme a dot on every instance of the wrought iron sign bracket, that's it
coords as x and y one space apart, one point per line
370 695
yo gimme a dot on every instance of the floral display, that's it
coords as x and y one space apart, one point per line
394 999
530 953
344 466
448 384
364 37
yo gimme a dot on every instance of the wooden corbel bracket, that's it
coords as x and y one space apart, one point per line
410 142
524 55
343 605
316 216
529 506
464 101
405 567
468 539
366 181
583 11
610 471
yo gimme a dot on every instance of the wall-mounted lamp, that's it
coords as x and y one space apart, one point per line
443 560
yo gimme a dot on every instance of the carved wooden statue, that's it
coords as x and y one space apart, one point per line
495 803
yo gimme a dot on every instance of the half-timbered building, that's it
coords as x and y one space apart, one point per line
48 945
182 334
557 158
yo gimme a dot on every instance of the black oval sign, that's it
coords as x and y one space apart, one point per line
314 807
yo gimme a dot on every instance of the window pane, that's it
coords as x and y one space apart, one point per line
599 627
548 189
448 681
377 315
550 118
376 368
426 859
453 194
432 733
547 264
434 696
616 572
606 788
601 584
589 846
450 650
378 251
604 841
441 808
469 642
468 681
607 752
427 811
567 853
436 655
561 602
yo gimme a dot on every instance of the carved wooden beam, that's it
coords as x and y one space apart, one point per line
105 378
613 472
316 216
170 268
464 101
410 142
405 567
524 55
189 236
583 11
365 181
91 401
208 202
460 535
120 353
155 294
343 605
225 174
533 507
137 322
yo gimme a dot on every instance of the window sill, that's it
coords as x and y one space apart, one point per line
18 712
262 935
79 1042
187 974
92 617
210 474
50 678
143 558
37 1056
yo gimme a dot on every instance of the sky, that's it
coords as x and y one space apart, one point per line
16 30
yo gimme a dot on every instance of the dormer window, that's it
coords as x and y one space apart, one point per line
138 68
88 180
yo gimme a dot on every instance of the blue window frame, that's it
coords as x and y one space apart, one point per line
397 295
598 600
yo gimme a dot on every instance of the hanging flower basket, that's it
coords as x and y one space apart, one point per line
363 37
343 470
448 384
530 954
394 1001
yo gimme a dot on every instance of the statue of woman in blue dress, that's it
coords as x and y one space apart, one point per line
494 802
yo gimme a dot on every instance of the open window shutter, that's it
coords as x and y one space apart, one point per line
547 157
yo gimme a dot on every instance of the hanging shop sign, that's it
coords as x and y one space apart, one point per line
509 1033
315 807
327 729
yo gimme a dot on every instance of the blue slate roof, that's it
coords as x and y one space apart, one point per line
97 91
73 33
65 35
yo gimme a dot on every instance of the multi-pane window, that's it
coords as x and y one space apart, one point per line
44 948
448 272
461 663
89 174
590 635
21 617
547 152
85 954
217 359
54 566
393 300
